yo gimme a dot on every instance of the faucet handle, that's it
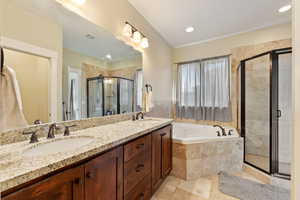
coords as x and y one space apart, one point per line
33 138
218 134
67 129
230 132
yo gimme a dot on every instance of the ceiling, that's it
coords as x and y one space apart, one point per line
75 29
211 19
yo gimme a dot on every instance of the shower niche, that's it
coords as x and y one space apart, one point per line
266 113
109 96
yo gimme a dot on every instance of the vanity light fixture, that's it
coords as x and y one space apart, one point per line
285 8
127 30
189 29
135 35
79 2
144 43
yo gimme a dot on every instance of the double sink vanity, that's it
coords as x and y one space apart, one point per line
123 160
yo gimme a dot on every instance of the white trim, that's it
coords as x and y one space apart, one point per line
230 35
79 72
49 54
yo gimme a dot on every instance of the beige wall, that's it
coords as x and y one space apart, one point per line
224 46
296 102
21 25
127 62
32 75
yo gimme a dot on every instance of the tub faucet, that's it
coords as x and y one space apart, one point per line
223 130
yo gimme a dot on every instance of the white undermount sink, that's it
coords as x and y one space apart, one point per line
58 146
148 120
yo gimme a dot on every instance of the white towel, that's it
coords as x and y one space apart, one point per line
16 86
11 115
148 104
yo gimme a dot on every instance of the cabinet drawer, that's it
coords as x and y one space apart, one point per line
136 169
142 191
135 147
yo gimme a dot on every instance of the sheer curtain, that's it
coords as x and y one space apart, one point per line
203 90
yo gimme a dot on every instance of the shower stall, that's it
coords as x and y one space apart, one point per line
109 96
266 112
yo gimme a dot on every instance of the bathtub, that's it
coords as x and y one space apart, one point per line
186 133
198 151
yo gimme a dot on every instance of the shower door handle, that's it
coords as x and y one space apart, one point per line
278 113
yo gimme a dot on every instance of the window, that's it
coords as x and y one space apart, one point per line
203 90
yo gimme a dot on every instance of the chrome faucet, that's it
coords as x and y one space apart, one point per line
33 138
52 130
138 116
223 130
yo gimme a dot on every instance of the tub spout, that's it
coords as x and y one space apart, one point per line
223 130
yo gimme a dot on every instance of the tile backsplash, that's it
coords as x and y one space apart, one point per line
16 135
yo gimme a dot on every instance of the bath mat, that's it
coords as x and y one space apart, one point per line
244 189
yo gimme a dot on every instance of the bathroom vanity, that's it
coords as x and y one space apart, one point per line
116 166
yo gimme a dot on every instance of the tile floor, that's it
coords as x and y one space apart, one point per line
205 188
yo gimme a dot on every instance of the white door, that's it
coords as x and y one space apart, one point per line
74 95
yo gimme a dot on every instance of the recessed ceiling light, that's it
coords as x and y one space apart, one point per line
285 8
189 29
89 36
108 56
79 2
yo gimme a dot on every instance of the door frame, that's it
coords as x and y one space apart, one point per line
79 72
273 124
52 56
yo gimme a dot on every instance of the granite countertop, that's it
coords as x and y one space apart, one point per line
17 168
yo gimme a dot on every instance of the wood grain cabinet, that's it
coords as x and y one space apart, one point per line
161 156
68 185
104 176
133 171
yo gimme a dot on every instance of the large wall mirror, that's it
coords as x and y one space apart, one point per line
66 67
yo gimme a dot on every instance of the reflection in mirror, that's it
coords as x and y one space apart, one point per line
101 70
98 75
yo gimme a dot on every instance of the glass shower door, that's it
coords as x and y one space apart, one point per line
284 113
95 97
256 127
126 96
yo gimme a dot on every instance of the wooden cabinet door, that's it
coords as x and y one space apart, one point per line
67 185
166 150
156 160
104 176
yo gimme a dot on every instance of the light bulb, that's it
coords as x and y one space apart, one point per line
79 2
285 8
127 30
137 37
189 29
144 43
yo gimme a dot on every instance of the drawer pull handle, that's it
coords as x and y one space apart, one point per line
140 146
77 181
163 134
139 168
89 175
142 195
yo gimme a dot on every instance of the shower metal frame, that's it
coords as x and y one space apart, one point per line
274 110
103 89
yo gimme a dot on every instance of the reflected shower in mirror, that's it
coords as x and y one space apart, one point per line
67 67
